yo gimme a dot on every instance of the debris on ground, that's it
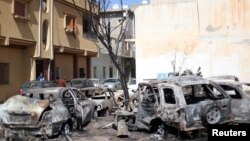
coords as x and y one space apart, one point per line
108 125
122 129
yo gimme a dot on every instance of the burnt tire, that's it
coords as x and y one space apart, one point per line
106 112
155 124
66 129
95 114
211 115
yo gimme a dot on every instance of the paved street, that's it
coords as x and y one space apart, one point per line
94 132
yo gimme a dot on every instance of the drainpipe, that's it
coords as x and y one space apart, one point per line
51 37
51 29
39 30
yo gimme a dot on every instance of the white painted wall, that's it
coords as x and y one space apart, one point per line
211 34
102 61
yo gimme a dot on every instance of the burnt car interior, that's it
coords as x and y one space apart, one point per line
149 100
232 92
79 95
197 93
68 101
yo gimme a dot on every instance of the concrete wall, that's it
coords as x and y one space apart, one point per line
211 34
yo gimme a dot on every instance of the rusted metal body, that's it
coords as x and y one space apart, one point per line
45 112
105 102
185 102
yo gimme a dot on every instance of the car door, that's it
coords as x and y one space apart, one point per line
219 110
169 104
83 107
148 102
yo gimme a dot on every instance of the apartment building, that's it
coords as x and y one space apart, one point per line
48 36
102 67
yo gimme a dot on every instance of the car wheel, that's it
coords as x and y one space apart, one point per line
212 115
95 114
106 112
74 124
66 128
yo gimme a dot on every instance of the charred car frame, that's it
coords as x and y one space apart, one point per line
45 112
187 103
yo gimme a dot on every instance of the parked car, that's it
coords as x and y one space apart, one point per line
86 86
240 94
46 112
112 83
105 102
96 81
35 85
187 103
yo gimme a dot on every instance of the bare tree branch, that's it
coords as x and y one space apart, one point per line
103 31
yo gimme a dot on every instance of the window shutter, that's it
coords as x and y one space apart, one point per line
20 8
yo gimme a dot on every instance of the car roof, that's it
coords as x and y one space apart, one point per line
93 79
224 78
49 90
186 80
234 83
78 79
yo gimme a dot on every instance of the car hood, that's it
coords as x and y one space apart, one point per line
18 107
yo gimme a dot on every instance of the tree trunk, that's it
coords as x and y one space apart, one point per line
122 76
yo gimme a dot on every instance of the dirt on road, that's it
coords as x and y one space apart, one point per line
95 132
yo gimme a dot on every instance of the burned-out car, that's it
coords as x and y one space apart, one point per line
105 102
240 105
185 102
45 112
86 86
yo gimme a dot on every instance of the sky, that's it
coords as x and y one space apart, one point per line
126 2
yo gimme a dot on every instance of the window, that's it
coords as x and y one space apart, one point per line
70 23
79 95
87 28
44 5
20 9
45 32
4 73
95 71
169 96
104 72
110 71
232 92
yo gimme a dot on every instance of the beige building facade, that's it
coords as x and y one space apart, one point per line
210 34
47 36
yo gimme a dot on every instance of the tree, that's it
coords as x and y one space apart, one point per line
103 31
